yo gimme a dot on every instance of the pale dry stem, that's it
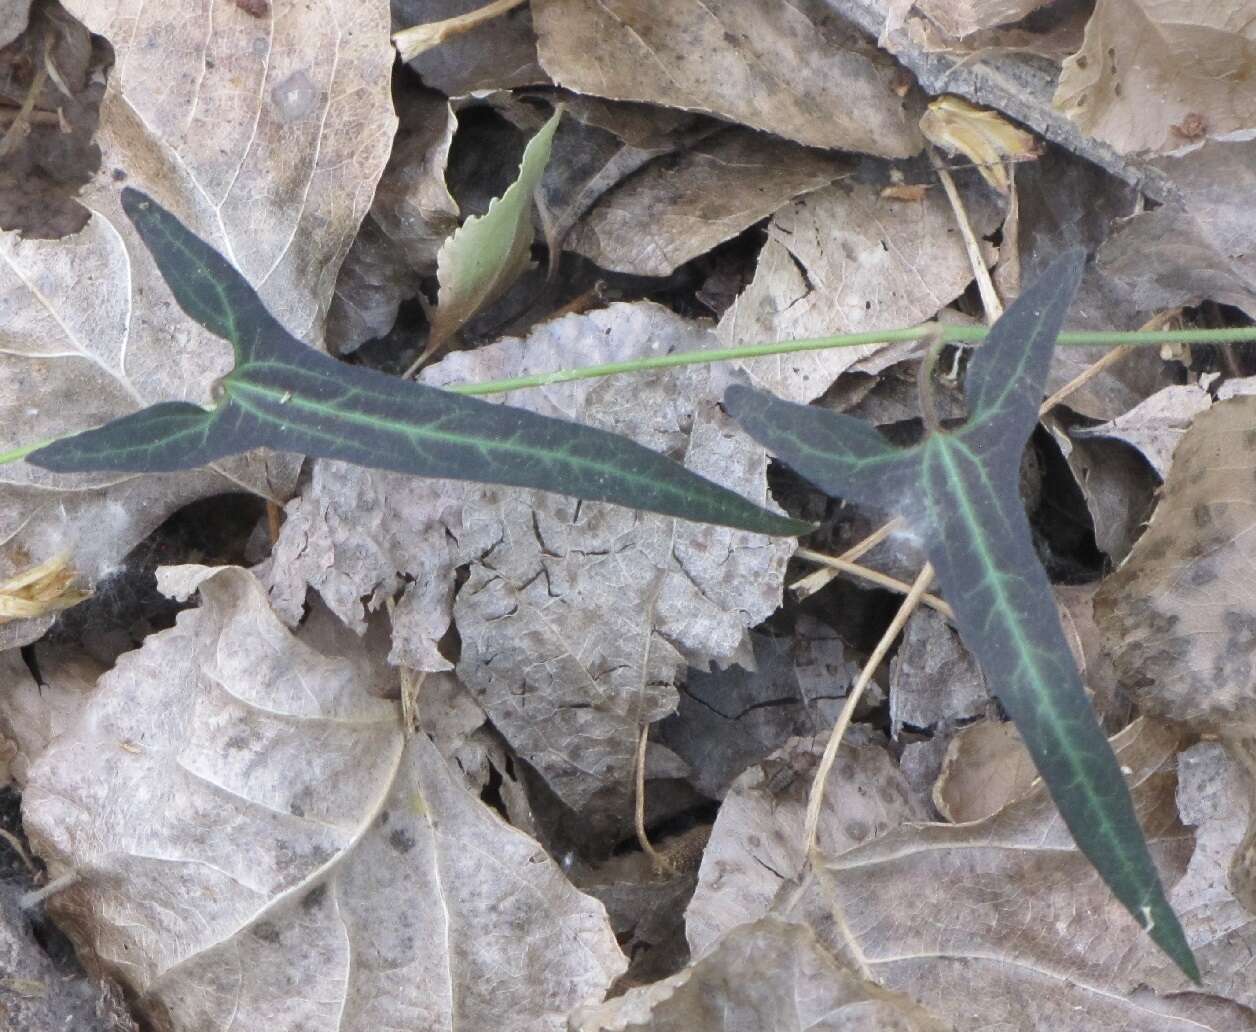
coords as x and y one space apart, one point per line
412 42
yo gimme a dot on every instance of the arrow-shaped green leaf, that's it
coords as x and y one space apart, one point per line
960 492
285 395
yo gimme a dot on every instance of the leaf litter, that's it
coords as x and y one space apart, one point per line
536 637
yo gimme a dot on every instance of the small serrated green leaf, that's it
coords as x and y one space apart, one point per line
285 395
960 492
487 253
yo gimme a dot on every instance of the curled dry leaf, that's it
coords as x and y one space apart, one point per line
488 252
756 844
267 139
796 70
986 767
259 843
985 137
1118 486
575 618
767 975
844 260
1154 76
1009 905
1155 426
677 209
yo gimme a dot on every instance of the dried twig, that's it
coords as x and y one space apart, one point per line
883 580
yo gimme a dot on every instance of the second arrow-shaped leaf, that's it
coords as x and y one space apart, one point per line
960 492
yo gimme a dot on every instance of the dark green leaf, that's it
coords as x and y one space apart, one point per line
284 395
960 491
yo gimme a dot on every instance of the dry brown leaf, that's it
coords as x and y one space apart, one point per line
1002 923
796 70
959 18
259 843
498 55
1155 426
756 845
933 678
1156 75
677 209
986 767
1179 616
767 975
576 618
266 137
843 260
598 145
1198 246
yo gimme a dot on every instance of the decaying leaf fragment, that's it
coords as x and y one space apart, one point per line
259 843
674 210
756 846
985 137
43 588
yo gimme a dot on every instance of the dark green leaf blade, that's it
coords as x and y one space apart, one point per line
159 439
961 494
979 542
202 281
1006 374
285 395
326 408
841 455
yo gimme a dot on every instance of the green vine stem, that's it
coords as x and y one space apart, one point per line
944 334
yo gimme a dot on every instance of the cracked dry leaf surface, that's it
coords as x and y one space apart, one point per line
845 260
767 975
1155 76
266 137
576 618
1009 905
1180 615
261 847
797 70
